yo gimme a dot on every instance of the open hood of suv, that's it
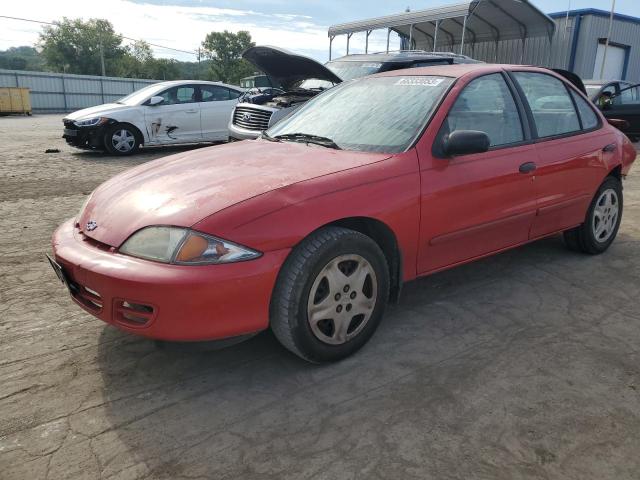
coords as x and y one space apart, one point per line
286 67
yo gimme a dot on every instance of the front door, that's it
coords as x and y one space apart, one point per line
477 204
626 106
215 111
177 118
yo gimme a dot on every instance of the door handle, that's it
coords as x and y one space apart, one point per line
191 111
528 167
609 148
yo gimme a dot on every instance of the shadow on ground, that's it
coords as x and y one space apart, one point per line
447 377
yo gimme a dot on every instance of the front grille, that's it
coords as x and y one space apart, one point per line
252 118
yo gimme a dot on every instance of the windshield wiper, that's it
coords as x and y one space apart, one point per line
308 138
268 137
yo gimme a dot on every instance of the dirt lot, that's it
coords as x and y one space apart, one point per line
525 365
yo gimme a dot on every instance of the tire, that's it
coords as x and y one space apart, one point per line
318 279
128 143
602 222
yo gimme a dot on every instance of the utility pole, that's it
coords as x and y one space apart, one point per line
199 71
606 42
102 58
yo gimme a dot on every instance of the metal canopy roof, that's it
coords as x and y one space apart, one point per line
472 22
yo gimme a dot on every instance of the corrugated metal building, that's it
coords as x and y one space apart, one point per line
579 44
57 92
576 44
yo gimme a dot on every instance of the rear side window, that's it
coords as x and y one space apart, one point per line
214 93
551 105
587 115
486 104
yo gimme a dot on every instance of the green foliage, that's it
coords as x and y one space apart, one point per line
225 51
21 58
75 46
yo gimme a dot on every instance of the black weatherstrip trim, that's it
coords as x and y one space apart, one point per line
525 120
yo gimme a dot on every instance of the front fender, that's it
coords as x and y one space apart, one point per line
387 191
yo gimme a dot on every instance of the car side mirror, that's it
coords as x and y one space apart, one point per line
465 142
155 100
619 123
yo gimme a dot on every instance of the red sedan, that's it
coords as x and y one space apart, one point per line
313 228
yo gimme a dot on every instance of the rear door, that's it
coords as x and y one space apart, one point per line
177 118
570 145
476 204
216 105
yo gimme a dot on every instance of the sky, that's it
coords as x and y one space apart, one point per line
300 26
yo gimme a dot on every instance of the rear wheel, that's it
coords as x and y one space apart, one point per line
603 219
330 296
122 140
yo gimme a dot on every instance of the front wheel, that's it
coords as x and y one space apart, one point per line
122 140
603 219
330 295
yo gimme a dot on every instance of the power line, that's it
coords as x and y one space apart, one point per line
190 52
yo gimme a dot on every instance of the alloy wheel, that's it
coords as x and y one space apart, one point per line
342 299
605 215
123 140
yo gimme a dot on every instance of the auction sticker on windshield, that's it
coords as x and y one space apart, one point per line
420 81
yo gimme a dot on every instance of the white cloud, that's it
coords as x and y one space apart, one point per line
182 27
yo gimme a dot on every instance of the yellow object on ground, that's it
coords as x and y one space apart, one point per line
14 100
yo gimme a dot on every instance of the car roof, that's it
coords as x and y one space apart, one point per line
602 82
403 56
171 83
459 70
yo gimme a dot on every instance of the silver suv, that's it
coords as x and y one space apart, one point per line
302 78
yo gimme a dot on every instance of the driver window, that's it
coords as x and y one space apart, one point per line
628 96
177 95
486 104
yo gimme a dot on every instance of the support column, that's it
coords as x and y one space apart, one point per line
464 28
388 35
435 35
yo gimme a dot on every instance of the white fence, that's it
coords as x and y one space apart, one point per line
57 92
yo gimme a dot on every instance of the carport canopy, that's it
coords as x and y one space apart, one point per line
444 28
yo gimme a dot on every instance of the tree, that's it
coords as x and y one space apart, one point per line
75 46
21 58
225 50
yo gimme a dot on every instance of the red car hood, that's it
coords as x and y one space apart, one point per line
182 189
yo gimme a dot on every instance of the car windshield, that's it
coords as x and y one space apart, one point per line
139 96
379 114
350 70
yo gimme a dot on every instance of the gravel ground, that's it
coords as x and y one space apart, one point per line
524 365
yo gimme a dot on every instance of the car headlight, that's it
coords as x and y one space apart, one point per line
182 246
91 122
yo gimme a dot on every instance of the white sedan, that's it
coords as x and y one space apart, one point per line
165 113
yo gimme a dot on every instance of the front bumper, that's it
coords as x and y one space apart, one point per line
167 302
84 137
239 133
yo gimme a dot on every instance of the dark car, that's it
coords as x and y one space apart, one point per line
621 101
302 78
